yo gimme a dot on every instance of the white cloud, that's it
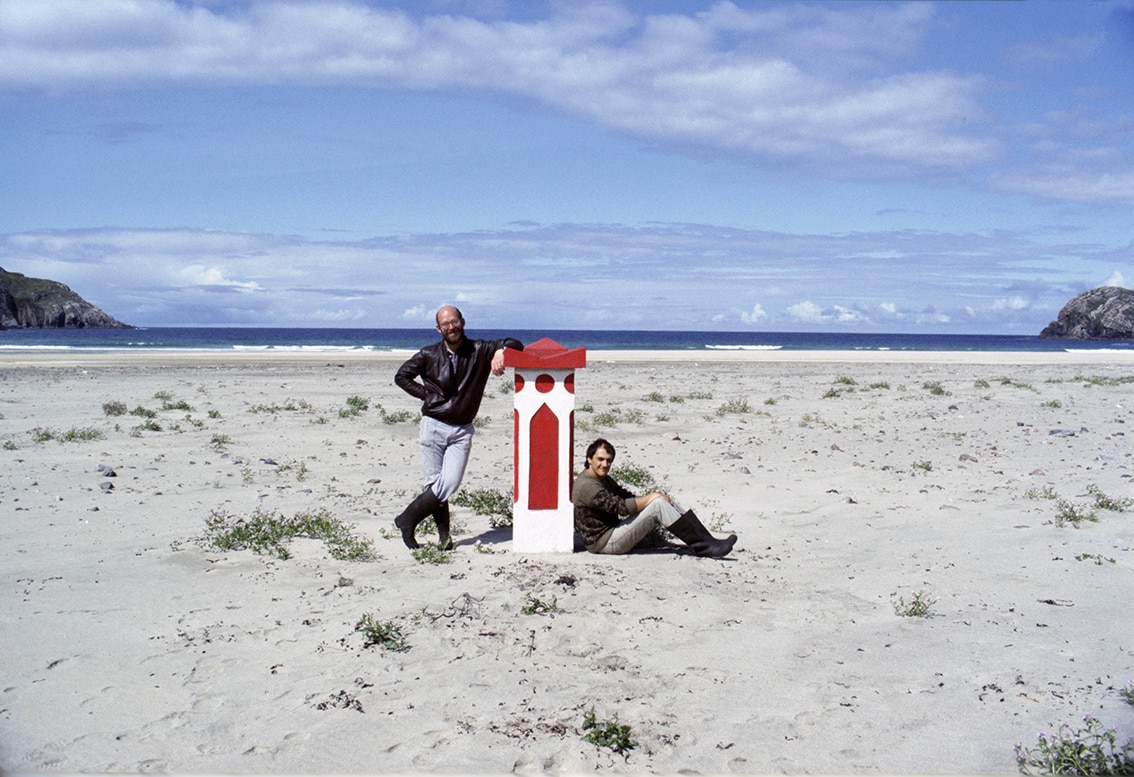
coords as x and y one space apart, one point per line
754 316
1116 279
807 312
194 277
1011 303
785 82
199 275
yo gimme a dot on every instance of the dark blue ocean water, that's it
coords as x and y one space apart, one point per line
283 339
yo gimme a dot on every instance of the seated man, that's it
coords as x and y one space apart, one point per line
612 519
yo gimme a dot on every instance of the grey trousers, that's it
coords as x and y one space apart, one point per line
445 451
630 532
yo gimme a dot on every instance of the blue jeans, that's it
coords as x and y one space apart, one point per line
445 451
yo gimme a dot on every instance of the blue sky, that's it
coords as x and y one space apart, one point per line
769 166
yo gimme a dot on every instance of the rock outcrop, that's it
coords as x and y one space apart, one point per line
34 303
1105 313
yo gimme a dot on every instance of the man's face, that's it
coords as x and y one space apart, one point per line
599 465
451 326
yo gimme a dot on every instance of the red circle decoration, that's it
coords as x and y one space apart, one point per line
544 383
519 383
569 383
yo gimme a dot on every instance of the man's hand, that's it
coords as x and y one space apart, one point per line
498 362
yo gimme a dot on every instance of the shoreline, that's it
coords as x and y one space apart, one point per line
17 358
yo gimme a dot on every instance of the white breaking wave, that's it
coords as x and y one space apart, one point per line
744 347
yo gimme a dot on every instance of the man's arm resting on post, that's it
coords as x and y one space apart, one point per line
498 356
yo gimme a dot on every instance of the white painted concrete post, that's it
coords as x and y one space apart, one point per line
543 445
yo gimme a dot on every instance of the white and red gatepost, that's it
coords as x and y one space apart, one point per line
543 445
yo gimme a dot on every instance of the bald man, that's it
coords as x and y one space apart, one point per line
448 377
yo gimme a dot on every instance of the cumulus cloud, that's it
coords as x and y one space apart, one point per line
1116 279
754 316
781 82
199 275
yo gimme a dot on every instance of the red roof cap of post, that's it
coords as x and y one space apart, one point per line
546 353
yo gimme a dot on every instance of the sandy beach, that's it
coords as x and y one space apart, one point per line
856 482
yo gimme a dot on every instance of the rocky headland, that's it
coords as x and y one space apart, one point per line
35 303
1105 313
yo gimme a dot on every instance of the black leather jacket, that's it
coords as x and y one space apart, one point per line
454 401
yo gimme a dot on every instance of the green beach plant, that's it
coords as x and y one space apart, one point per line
734 407
385 634
1068 512
535 606
917 607
114 408
1127 694
268 534
609 733
1092 749
1105 502
432 553
491 502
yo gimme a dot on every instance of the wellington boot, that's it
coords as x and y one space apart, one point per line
417 511
441 518
689 529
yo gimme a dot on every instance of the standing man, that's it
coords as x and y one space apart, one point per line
453 374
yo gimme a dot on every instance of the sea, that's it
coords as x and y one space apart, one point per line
330 340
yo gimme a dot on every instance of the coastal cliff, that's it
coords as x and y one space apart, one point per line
1105 313
35 303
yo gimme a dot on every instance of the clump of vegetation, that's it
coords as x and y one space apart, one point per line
1047 492
1127 694
74 434
1055 403
1097 380
609 733
1092 749
807 420
396 417
922 466
143 412
612 417
181 404
734 407
289 405
267 533
1104 502
355 405
917 607
1018 384
1095 557
220 441
491 502
1068 512
114 408
934 387
385 634
654 396
637 478
534 606
432 553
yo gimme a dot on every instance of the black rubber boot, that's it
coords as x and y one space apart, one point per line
441 518
417 511
689 529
